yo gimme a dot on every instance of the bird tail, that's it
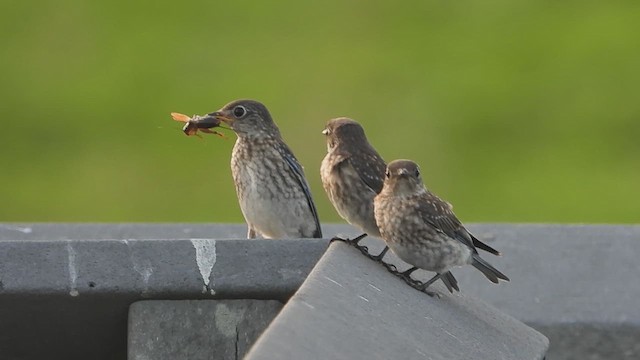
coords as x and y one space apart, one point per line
480 245
489 271
449 281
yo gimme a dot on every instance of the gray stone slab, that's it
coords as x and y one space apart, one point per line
575 283
578 278
71 297
351 308
139 231
197 329
592 341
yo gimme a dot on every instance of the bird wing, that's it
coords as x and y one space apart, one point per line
369 166
438 214
296 168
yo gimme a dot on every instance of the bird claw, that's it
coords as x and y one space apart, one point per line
353 242
337 238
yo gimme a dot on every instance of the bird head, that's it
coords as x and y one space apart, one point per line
248 118
402 177
345 131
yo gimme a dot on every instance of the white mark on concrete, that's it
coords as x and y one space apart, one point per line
227 320
421 353
141 265
333 281
309 305
206 259
450 334
374 287
73 273
363 298
24 230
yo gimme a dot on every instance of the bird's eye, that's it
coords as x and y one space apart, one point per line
417 172
387 174
239 111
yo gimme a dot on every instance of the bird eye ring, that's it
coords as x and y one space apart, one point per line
239 111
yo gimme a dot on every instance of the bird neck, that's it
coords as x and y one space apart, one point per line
256 136
405 189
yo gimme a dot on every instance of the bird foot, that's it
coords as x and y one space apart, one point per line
352 242
416 284
363 249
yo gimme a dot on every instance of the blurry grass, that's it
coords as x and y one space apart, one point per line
518 112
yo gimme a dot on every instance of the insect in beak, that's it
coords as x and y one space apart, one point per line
198 123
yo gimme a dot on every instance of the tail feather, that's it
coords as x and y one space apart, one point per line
489 271
450 281
480 245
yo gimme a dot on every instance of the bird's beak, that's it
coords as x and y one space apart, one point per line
221 116
208 121
325 132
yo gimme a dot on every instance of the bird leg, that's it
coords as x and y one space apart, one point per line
380 256
406 276
425 285
353 242
356 240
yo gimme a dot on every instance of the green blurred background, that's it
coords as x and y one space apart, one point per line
522 111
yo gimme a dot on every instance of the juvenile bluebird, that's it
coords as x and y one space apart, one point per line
273 193
421 229
352 174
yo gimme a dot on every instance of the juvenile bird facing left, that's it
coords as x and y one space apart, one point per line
352 173
273 193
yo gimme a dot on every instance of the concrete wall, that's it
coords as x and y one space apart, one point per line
65 289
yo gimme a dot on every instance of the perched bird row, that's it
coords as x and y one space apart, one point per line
385 201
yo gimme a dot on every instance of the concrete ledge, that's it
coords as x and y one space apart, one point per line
575 283
71 297
197 329
351 308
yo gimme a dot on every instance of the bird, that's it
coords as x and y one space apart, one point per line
273 193
352 174
421 228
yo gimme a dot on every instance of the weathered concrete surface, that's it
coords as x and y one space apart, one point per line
139 231
71 297
352 308
197 329
577 284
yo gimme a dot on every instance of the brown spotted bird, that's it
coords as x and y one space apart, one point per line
352 174
273 193
421 229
